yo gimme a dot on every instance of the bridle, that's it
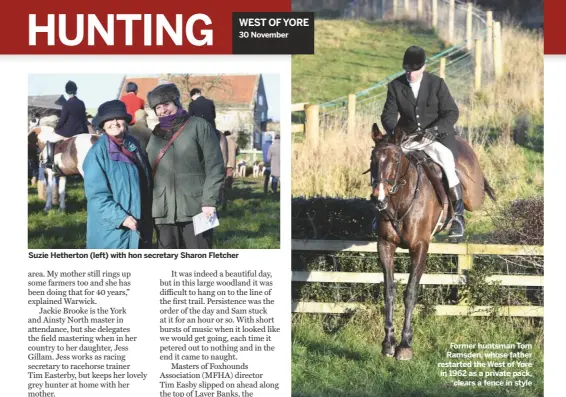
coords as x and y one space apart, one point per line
394 184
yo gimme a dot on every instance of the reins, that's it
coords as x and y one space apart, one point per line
396 184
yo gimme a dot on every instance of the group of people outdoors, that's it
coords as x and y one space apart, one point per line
138 179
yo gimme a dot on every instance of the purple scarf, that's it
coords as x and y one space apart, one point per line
166 122
120 143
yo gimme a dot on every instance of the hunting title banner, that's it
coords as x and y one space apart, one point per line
109 27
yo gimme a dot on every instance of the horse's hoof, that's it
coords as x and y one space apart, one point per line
46 210
404 353
62 210
388 351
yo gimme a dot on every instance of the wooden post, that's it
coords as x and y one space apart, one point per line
351 114
497 53
312 131
451 9
383 9
469 26
406 8
442 71
395 8
465 263
477 65
489 38
434 14
420 14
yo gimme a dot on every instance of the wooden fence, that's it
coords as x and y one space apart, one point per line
465 254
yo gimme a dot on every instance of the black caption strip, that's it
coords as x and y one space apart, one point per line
273 33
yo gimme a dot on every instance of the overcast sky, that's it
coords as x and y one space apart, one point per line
95 89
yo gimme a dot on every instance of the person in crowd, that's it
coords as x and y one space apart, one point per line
188 170
273 156
117 183
132 101
140 130
72 121
73 114
224 149
233 152
422 100
266 163
202 107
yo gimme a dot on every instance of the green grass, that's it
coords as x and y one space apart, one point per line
346 360
251 219
353 55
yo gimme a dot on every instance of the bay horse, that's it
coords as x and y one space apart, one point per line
68 158
409 211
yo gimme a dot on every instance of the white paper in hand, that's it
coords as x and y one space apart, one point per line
202 223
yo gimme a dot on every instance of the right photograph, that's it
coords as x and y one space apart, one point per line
418 199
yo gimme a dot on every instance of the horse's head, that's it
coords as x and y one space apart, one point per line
386 162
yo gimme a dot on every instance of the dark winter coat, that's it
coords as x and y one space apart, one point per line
190 174
73 118
434 107
203 107
142 133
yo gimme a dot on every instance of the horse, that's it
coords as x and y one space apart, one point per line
410 209
68 158
258 169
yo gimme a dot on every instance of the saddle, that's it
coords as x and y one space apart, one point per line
439 182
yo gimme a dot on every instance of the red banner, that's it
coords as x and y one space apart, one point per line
111 27
554 42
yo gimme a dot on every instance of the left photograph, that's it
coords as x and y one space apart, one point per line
165 161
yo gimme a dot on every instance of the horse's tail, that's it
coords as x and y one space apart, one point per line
488 189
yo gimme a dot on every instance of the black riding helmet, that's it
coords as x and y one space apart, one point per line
131 87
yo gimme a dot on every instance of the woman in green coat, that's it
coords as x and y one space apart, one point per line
188 176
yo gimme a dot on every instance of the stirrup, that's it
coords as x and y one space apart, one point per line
460 225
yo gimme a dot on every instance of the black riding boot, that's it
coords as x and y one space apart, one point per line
50 158
457 229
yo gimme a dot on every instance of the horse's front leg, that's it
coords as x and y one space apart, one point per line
62 190
418 261
386 253
49 188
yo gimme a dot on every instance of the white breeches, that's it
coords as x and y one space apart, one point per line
442 156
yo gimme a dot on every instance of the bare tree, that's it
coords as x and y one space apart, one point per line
185 82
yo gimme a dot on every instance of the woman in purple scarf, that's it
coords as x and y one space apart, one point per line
188 173
117 185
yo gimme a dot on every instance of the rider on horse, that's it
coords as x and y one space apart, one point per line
423 101
72 122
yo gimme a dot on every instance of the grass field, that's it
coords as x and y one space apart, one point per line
250 221
353 55
335 360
